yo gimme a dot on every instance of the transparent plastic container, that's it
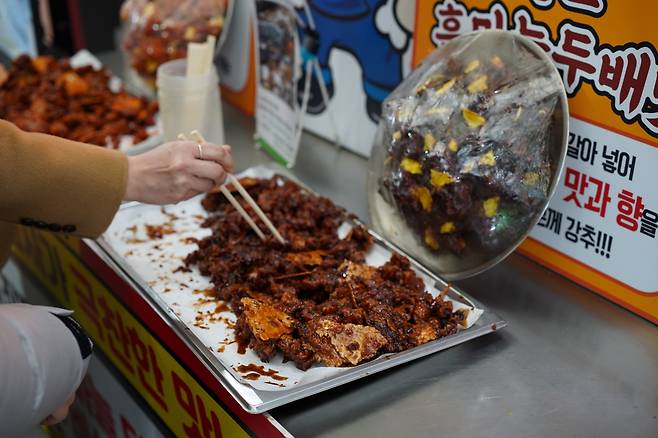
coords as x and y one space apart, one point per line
468 152
189 103
157 31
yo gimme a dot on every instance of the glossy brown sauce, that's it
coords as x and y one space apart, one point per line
260 370
242 346
221 307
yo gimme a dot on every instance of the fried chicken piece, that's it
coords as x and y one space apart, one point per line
297 350
126 104
310 258
338 344
424 333
352 271
41 63
266 322
73 84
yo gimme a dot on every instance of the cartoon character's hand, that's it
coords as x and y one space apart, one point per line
404 12
395 19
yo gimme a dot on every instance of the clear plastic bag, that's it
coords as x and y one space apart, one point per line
158 31
462 163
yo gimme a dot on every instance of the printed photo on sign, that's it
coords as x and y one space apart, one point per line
277 50
277 113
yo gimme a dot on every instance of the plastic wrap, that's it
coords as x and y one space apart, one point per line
462 151
159 30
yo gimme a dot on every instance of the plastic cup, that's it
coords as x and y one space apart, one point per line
189 103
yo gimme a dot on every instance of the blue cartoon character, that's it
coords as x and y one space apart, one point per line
350 25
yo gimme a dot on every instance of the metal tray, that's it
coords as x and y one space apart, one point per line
258 401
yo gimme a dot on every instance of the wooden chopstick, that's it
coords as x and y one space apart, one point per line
234 202
247 197
256 208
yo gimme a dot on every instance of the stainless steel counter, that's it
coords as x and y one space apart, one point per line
570 364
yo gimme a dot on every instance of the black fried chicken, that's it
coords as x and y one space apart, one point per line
314 300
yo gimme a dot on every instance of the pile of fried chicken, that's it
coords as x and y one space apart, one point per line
314 299
47 95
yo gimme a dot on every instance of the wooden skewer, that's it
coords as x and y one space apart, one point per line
236 183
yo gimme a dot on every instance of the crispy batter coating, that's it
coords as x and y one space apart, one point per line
314 300
351 343
266 322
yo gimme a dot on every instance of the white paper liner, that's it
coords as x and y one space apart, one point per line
156 260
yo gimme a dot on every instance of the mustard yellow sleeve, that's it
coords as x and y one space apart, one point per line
58 185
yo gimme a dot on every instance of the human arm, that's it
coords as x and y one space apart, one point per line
41 365
65 186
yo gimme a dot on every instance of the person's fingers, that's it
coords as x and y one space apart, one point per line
219 154
60 413
201 185
228 162
208 170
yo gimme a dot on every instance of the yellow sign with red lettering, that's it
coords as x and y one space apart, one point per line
176 397
603 220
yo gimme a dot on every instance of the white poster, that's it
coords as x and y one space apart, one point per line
605 210
278 124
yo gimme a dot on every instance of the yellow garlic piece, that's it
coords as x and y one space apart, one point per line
430 240
530 178
488 159
397 135
149 10
411 166
423 195
438 110
490 206
518 113
429 142
445 87
452 145
473 119
472 66
447 227
217 20
440 179
478 85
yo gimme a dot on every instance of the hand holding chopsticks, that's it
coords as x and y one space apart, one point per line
196 135
172 172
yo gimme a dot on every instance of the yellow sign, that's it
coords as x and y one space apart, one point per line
177 398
